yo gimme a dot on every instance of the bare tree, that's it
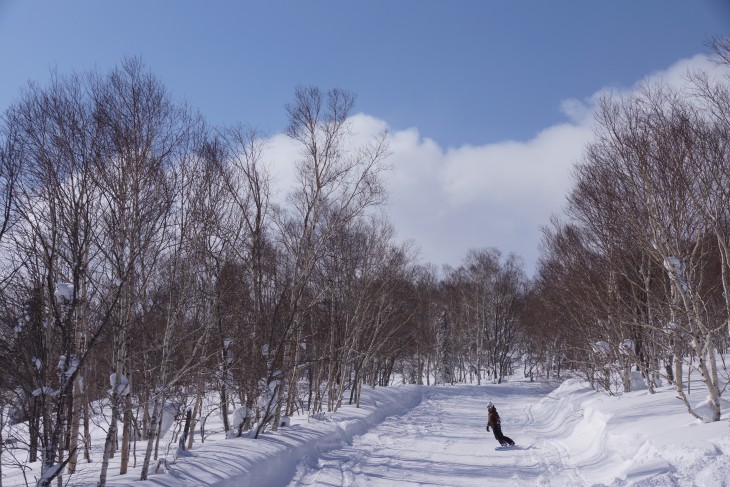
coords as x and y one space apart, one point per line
54 241
145 134
10 168
647 242
335 185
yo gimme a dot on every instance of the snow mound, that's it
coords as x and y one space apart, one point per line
272 458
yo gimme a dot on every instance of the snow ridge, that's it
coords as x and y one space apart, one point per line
272 458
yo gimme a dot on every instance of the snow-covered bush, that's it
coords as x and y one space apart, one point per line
240 420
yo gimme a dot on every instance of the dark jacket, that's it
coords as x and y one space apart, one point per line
496 425
493 418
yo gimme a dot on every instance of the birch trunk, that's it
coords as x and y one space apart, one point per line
196 411
76 411
126 432
151 436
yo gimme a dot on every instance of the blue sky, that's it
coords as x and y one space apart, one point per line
450 78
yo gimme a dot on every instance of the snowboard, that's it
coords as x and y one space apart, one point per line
509 447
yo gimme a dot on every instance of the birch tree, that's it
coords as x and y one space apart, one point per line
144 134
54 240
335 183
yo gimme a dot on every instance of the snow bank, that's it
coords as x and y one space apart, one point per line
571 435
634 439
272 458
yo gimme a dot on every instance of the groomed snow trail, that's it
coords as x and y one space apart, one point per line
443 442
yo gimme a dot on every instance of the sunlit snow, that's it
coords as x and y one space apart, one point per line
566 434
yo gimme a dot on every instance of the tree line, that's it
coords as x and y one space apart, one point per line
634 278
147 261
149 268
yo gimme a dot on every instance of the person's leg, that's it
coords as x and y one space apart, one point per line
498 435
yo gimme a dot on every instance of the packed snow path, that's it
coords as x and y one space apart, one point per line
414 435
443 441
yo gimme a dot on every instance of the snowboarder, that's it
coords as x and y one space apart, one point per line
494 421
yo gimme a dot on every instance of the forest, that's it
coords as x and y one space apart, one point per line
148 263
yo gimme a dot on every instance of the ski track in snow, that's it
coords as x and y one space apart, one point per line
435 436
562 440
443 442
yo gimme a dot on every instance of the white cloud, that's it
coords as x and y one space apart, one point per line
279 157
449 201
493 195
576 110
676 74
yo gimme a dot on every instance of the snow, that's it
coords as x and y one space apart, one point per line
122 387
704 410
50 471
637 381
627 347
45 391
675 269
566 434
65 291
238 417
68 368
602 348
169 412
672 327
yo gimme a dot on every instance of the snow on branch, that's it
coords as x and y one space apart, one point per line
64 292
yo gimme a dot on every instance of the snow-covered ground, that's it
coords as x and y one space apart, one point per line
416 435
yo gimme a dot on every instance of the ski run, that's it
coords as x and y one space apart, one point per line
566 435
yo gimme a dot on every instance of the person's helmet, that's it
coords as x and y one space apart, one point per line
490 405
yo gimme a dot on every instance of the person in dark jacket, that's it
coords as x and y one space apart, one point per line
494 421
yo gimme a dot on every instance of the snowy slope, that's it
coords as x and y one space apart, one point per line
415 435
569 437
272 458
442 441
633 439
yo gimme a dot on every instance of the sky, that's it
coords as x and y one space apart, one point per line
487 103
